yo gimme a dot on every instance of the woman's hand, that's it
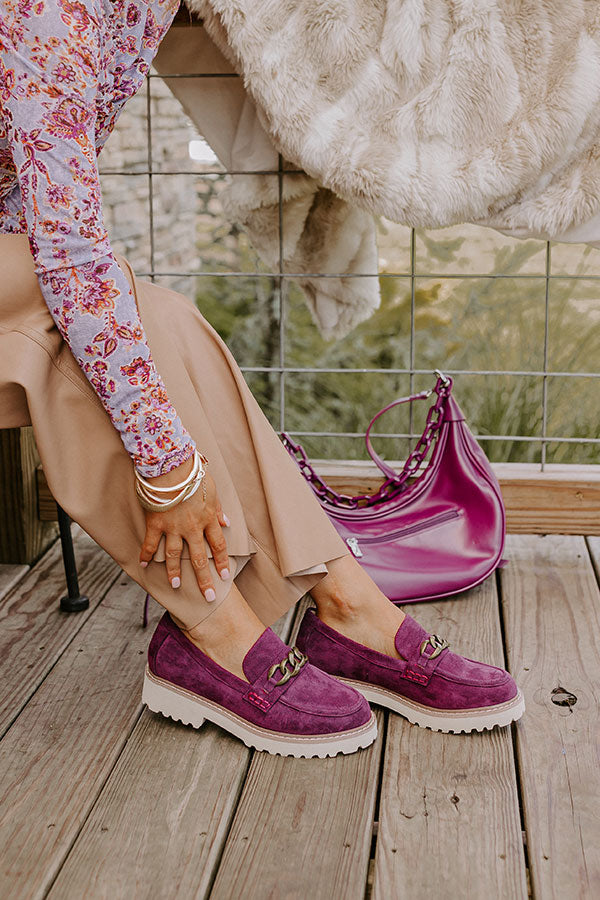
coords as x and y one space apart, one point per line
191 521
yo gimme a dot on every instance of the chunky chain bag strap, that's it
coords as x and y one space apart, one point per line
395 481
432 529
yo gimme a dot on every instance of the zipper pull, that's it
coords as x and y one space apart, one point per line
355 549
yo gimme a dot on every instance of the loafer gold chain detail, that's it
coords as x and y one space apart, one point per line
296 659
438 643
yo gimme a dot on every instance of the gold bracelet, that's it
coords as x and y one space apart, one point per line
148 494
149 504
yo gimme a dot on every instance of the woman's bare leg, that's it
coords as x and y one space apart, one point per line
228 633
347 599
350 601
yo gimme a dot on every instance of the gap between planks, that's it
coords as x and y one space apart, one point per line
10 575
170 810
159 824
34 631
175 824
551 604
58 753
303 827
449 820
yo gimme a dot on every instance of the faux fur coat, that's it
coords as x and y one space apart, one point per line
429 112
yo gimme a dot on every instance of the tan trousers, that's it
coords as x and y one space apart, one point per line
280 539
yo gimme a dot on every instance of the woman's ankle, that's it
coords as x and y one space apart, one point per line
228 633
350 602
347 592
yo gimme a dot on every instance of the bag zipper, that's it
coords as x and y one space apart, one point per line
354 542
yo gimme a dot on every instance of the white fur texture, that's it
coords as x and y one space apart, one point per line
430 112
321 234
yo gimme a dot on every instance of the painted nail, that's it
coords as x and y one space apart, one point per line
224 574
226 518
210 596
176 582
144 564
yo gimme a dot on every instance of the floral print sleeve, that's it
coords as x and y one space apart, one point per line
52 63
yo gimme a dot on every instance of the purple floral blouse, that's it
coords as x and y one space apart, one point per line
67 67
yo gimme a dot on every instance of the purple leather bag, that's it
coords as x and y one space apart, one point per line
432 530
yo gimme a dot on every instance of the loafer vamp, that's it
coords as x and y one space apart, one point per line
307 703
428 674
321 696
452 686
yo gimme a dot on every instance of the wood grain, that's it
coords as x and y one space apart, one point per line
57 755
47 510
9 576
23 537
34 631
160 823
552 613
303 828
593 544
156 826
560 500
449 822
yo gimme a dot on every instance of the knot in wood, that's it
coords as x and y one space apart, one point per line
562 697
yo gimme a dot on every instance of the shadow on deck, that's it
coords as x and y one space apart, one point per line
101 798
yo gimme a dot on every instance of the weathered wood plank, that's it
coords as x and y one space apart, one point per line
303 828
552 613
449 823
57 755
594 548
9 576
161 820
22 535
47 510
33 630
562 499
160 823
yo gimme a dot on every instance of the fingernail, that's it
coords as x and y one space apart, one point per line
210 596
226 518
224 574
176 582
144 564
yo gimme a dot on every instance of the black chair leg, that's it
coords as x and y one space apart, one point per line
74 601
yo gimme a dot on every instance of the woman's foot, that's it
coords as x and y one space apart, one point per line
427 683
282 704
228 632
349 601
362 638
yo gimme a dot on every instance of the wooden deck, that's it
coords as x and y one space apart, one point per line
101 798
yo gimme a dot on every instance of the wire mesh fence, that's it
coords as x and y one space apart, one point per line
516 323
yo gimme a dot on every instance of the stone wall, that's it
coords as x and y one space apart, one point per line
190 231
177 202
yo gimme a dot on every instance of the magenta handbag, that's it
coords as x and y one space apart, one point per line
432 530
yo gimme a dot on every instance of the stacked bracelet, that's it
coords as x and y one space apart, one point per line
150 497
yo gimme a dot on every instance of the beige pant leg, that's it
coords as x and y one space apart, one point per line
278 529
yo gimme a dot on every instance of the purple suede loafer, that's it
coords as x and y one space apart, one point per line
431 686
287 706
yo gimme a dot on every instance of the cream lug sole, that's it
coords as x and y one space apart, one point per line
447 720
177 703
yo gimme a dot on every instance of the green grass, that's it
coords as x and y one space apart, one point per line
478 323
